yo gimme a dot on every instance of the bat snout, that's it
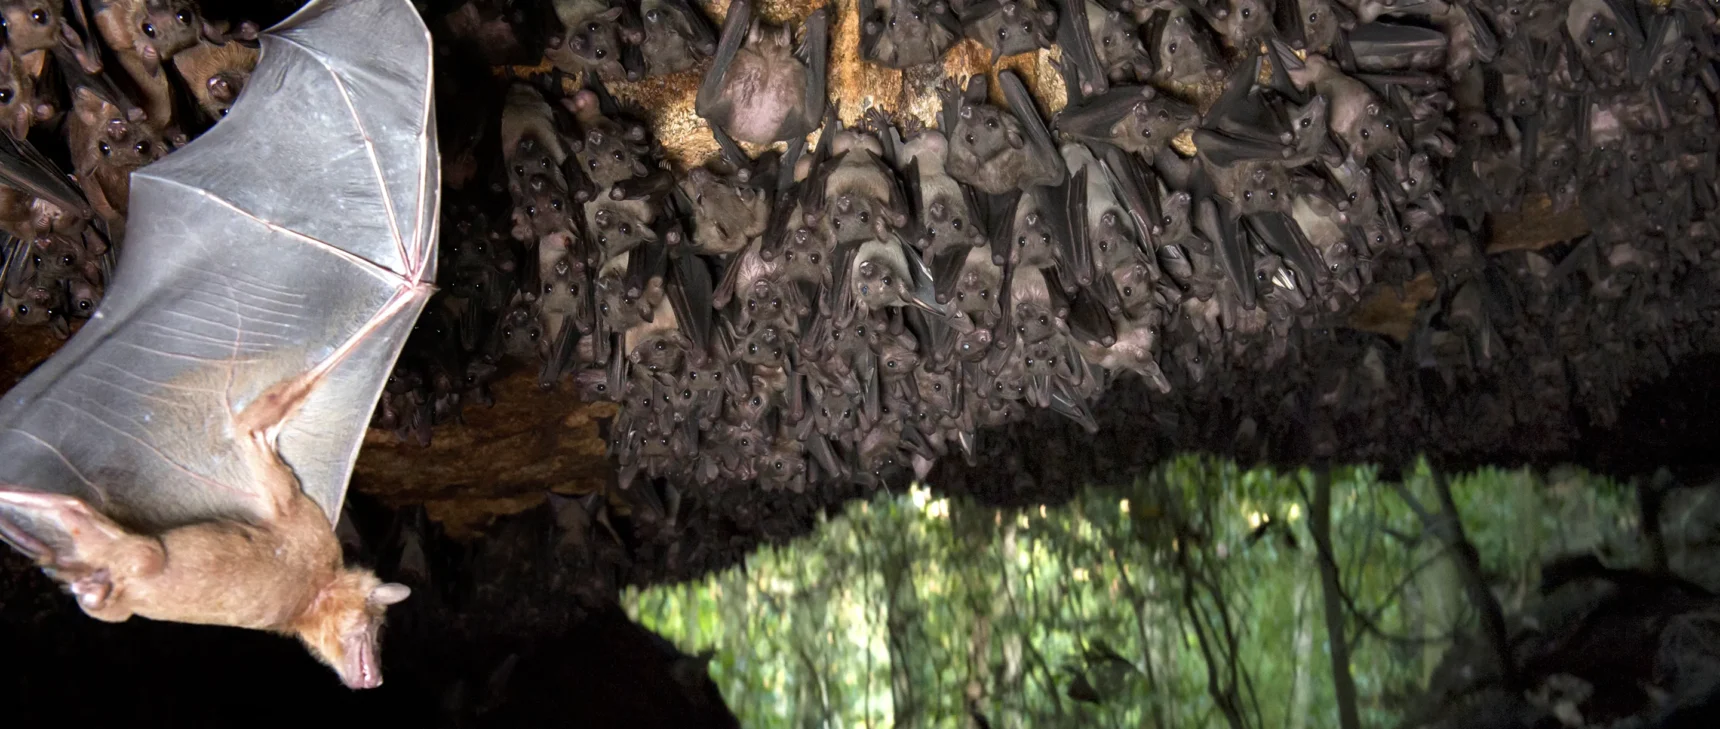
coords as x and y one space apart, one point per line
362 668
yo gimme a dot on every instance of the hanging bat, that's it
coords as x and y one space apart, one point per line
760 88
906 33
186 456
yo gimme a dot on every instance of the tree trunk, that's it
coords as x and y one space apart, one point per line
1301 695
1320 523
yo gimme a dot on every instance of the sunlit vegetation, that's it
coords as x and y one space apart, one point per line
1192 597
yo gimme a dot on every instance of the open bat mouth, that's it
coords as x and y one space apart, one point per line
362 670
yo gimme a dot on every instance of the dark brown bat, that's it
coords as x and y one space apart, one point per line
115 479
1133 118
675 36
35 196
500 32
761 89
1182 49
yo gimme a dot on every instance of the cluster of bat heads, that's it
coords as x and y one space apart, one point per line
98 88
873 303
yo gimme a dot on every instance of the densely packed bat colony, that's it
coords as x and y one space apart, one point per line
874 302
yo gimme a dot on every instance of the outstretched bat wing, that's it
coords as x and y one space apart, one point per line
272 272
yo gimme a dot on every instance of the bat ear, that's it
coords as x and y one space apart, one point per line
389 593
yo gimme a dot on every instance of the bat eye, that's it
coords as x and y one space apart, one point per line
1128 291
957 224
1245 12
1334 268
1313 17
534 335
5 96
40 17
105 149
991 123
864 216
555 204
600 54
149 29
142 147
183 17
1306 123
1366 134
531 211
1173 48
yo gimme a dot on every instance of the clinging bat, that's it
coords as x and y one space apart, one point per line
905 33
185 457
760 88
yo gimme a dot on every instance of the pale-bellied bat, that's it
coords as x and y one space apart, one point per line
727 211
882 277
1010 27
216 71
760 89
1104 237
590 40
861 200
675 36
186 456
996 150
1382 46
1321 221
618 226
904 33
1133 118
947 213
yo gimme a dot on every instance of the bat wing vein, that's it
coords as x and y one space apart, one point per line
62 456
146 444
406 258
376 269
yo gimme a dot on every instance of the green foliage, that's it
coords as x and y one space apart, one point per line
1165 601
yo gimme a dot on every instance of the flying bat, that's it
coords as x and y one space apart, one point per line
185 456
